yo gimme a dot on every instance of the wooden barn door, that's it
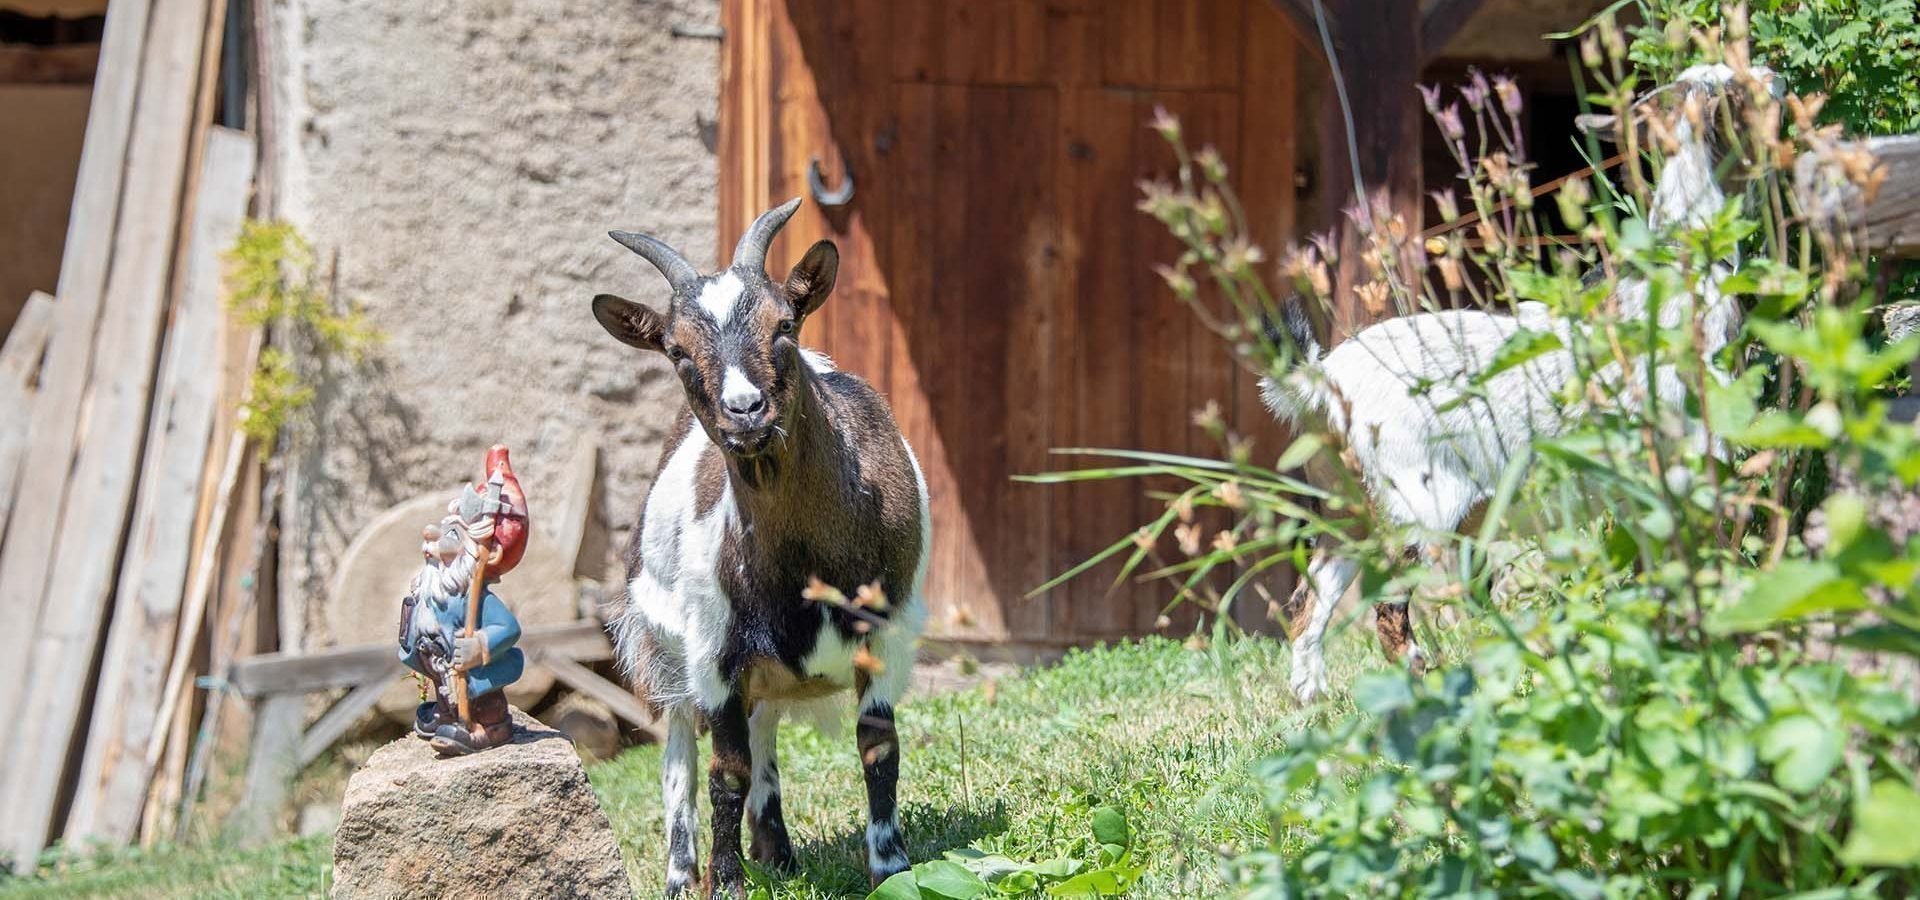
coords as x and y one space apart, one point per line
996 279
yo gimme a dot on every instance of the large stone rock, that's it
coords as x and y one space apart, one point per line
515 821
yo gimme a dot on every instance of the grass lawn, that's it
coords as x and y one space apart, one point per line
1165 733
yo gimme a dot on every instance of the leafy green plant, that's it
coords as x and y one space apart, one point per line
1861 54
1689 693
273 282
972 874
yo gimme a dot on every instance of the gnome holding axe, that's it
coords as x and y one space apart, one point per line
454 629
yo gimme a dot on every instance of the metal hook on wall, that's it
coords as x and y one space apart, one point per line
831 199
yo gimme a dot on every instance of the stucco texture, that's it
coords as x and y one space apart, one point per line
464 160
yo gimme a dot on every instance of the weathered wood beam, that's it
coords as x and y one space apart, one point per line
1889 220
337 720
622 701
1379 59
86 474
1442 20
344 667
144 636
20 359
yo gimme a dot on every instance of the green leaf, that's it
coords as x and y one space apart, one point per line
1106 882
1110 827
1795 589
1058 867
1887 638
1302 449
948 879
1777 429
1884 832
899 887
1521 347
1380 693
1803 751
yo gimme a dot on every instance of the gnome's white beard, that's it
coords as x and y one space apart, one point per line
441 583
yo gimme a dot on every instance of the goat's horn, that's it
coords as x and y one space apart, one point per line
680 273
751 253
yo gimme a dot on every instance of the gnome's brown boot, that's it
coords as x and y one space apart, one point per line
492 726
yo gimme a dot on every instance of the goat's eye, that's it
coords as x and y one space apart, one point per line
786 326
676 354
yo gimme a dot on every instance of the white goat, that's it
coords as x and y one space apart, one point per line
1428 458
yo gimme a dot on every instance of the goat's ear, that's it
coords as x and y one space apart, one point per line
629 322
812 279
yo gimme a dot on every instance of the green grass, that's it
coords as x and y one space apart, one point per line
1166 733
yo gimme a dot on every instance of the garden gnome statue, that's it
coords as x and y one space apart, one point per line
453 628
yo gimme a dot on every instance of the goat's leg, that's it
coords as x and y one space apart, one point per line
771 846
727 779
676 794
1394 622
879 745
1329 576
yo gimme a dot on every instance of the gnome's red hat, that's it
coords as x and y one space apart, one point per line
510 530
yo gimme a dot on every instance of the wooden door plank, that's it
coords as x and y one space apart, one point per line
28 550
141 636
1162 335
1097 215
1264 176
1210 119
1196 45
93 515
914 364
20 360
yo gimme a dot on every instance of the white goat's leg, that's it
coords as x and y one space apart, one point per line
1329 576
676 795
771 846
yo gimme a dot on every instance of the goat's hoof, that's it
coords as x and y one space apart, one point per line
1309 686
777 858
1418 662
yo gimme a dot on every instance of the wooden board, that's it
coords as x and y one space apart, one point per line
345 667
995 277
1890 223
153 576
20 357
28 551
79 571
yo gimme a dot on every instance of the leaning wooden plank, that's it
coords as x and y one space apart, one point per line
341 717
280 673
144 634
19 369
1870 187
271 766
93 515
623 703
28 549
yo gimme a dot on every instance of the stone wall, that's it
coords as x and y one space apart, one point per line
463 161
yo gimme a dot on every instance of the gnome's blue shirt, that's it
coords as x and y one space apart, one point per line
496 626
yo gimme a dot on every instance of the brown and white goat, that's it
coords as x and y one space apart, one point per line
779 470
1398 395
